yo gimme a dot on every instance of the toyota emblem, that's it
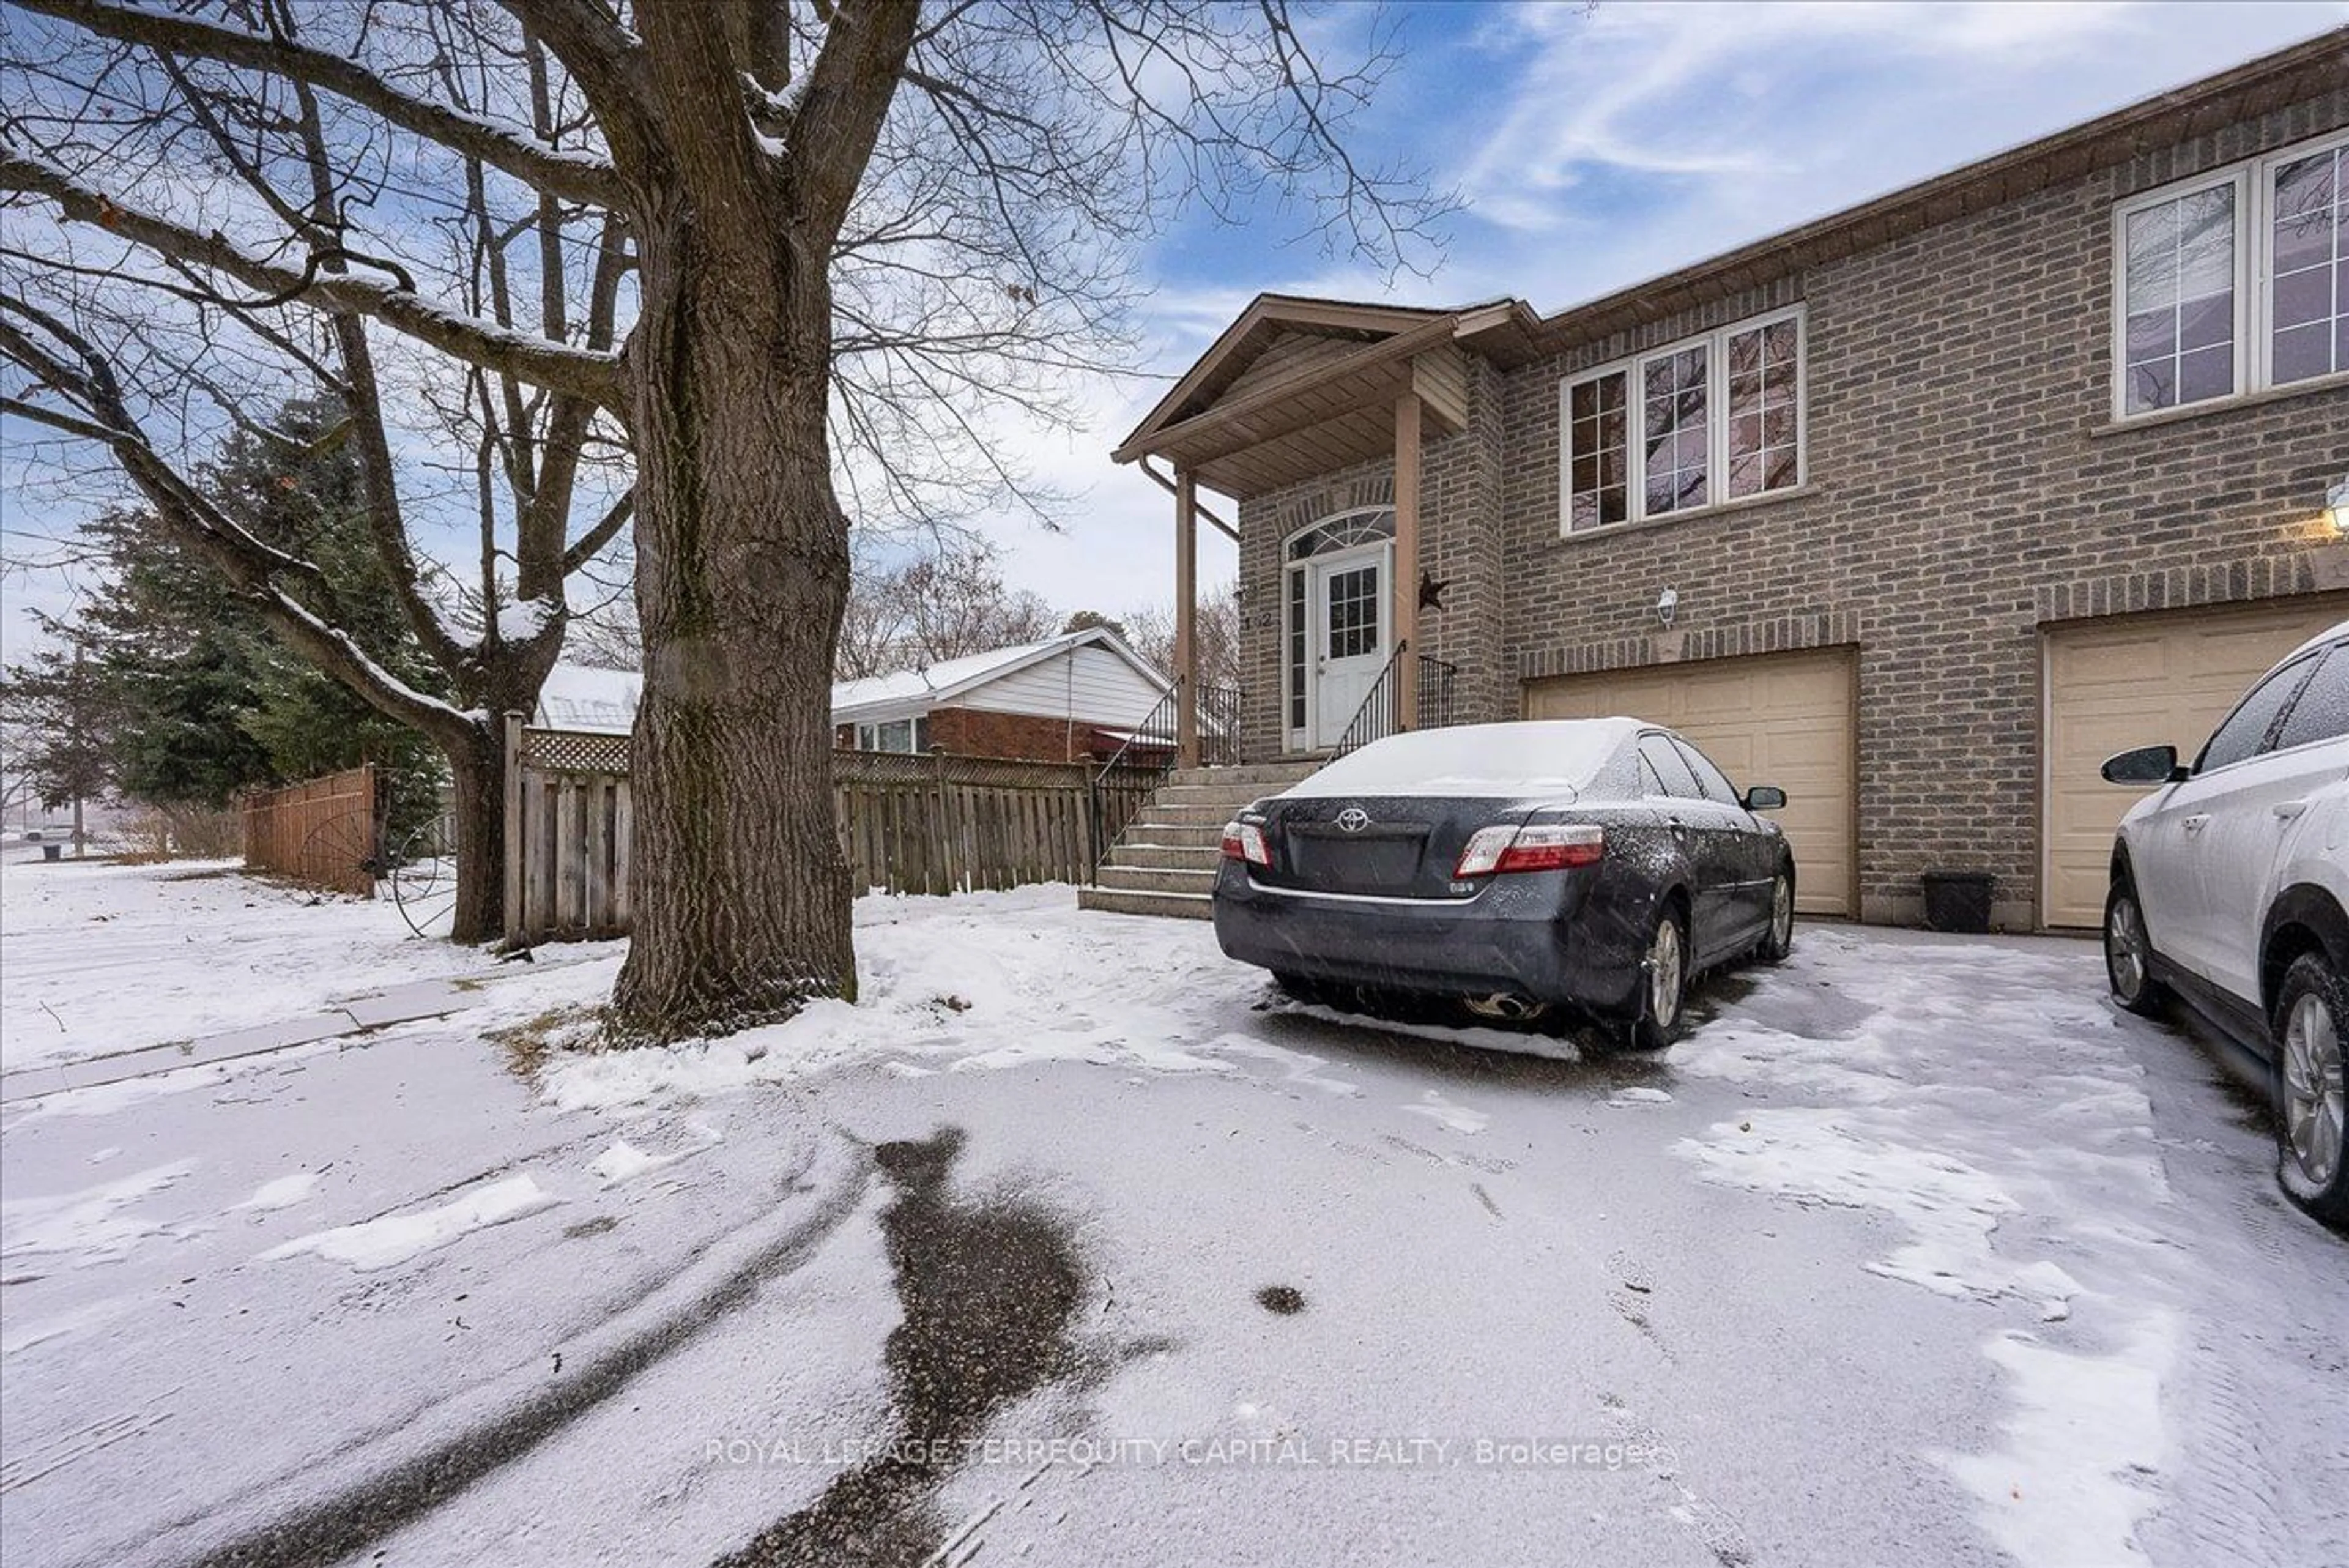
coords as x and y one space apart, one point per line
1354 819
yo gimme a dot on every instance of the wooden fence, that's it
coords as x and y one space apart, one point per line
908 824
570 821
321 832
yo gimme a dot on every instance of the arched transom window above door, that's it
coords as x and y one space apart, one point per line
1372 524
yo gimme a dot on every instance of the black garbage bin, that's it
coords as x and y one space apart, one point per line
1957 900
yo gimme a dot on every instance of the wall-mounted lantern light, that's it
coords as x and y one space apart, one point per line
2336 507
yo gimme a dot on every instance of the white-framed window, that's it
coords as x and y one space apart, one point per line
2235 281
1710 419
896 735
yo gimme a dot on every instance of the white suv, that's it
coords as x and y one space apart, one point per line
2231 888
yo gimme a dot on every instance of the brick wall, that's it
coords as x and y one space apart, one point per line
1966 486
1024 737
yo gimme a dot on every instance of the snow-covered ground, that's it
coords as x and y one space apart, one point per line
1069 1244
102 959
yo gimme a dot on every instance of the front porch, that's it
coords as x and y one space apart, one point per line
1319 420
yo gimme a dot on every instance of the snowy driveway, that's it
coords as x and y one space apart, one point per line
1066 1245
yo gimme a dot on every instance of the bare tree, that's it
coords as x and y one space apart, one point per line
854 234
155 326
1217 628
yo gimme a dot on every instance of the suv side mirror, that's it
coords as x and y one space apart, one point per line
2145 765
1765 797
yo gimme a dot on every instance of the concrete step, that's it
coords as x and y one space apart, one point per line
1145 879
1174 906
1260 776
1182 813
1231 797
1174 835
1167 857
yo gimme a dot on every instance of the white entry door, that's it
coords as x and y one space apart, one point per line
1348 605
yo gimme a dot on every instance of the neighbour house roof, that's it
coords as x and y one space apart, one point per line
911 691
575 697
1297 387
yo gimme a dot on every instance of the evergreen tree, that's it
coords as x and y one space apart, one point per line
180 693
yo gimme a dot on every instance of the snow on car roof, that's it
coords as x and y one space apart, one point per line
1541 756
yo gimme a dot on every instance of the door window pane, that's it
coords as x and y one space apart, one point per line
2309 244
2179 300
1352 628
1664 759
1297 650
2247 727
2323 712
1711 780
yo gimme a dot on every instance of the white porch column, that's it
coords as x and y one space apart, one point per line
1406 560
1186 611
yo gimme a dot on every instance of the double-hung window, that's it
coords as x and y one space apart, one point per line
896 735
1695 423
2234 282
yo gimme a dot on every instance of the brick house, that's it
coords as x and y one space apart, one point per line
1067 699
1917 511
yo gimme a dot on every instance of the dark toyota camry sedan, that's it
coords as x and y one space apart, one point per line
1590 863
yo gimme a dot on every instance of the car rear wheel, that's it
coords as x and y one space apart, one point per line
2128 952
1779 939
1663 985
2311 1012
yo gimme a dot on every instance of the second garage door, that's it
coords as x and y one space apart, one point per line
2142 680
1780 719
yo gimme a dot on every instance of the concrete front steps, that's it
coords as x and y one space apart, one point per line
1164 862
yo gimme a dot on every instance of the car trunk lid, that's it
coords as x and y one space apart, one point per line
1375 847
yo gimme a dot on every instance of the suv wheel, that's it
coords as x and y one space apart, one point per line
2312 1013
2128 952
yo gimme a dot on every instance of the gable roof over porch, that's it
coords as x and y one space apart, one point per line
1295 388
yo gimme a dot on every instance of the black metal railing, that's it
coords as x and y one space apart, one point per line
1219 725
1123 785
1375 719
1120 787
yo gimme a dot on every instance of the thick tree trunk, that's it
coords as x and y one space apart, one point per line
742 895
477 775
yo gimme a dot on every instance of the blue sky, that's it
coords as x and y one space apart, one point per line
1594 148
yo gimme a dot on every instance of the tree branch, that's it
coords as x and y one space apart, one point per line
554 366
575 175
607 528
849 90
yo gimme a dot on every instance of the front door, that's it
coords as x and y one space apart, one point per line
1347 603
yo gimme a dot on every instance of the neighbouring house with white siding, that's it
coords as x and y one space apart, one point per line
1079 695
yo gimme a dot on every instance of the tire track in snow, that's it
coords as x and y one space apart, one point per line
504 1420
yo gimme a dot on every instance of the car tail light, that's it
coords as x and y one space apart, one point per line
1539 847
1245 841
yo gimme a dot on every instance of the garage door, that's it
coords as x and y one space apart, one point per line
2142 680
1783 719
